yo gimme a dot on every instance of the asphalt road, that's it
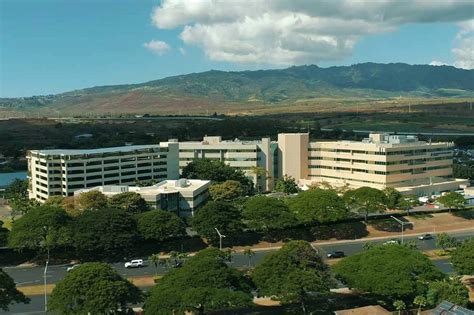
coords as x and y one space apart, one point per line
26 276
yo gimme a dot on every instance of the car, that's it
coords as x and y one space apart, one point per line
177 264
73 267
392 241
425 237
335 254
135 263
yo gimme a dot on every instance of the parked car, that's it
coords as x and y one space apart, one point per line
73 267
335 254
392 241
425 237
135 263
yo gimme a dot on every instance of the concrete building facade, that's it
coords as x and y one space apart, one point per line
61 172
243 155
379 161
182 196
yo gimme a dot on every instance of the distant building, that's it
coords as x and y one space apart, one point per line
61 172
181 196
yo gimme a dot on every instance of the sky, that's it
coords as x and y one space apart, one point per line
54 46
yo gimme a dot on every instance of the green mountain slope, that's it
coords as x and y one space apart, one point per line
212 89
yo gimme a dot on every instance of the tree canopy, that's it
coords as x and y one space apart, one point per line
393 197
393 271
292 273
130 201
106 234
318 205
91 200
9 293
17 189
365 200
43 226
160 225
452 200
3 234
287 185
217 214
451 289
93 288
266 213
462 258
215 171
204 283
228 190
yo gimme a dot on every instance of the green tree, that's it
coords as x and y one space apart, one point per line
407 202
399 306
365 200
155 259
395 272
462 258
3 234
48 224
393 197
451 289
292 274
259 172
18 189
452 200
287 185
54 201
318 205
159 225
249 253
106 234
420 301
217 214
9 293
21 206
444 240
93 288
267 213
91 200
215 171
228 190
204 283
129 201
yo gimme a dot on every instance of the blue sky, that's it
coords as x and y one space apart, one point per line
53 46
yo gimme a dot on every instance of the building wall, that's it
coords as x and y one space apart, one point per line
293 154
54 173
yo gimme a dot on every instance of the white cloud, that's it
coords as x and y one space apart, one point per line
157 47
182 51
285 32
463 49
438 63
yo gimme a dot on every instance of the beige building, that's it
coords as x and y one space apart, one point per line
181 196
243 155
61 172
380 161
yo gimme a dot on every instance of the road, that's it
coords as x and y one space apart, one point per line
26 276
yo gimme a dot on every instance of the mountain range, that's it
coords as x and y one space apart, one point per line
222 90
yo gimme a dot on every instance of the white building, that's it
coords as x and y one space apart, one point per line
61 172
181 196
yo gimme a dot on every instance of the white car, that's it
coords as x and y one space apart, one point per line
136 263
392 242
72 267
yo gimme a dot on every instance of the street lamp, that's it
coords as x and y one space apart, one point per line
45 228
221 236
402 224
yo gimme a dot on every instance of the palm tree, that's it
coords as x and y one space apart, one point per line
175 256
259 171
420 300
399 306
155 259
249 253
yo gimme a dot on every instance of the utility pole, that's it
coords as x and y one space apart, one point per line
45 228
221 236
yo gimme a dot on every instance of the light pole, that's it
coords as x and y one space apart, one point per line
221 236
45 228
401 223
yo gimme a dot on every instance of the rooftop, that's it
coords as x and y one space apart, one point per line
96 151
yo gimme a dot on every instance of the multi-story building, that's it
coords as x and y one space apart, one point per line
380 161
181 196
243 155
61 172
